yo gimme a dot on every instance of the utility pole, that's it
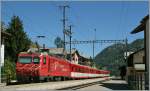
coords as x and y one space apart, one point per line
70 42
94 43
126 49
64 23
69 33
94 39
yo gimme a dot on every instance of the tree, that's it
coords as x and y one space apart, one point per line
59 42
3 27
34 45
19 40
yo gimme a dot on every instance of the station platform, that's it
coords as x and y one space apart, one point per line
52 85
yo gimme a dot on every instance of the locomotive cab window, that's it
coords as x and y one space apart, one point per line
25 60
36 60
44 61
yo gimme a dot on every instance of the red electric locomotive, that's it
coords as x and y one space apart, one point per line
39 67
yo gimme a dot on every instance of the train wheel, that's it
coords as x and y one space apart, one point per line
45 79
36 79
62 78
59 78
49 79
55 78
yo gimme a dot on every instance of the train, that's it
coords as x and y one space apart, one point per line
44 67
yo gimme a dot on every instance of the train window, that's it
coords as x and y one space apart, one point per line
36 60
74 69
44 60
83 70
78 70
25 60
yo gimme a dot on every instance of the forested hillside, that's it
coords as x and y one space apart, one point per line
112 57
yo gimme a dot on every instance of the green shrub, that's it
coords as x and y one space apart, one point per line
9 68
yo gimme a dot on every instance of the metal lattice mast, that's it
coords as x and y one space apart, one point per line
64 23
96 41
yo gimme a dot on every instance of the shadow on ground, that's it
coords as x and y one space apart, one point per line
115 86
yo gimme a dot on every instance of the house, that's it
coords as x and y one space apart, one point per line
136 69
138 62
85 61
74 56
78 58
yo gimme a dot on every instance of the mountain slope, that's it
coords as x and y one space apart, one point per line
112 57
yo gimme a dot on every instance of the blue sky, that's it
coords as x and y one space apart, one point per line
112 20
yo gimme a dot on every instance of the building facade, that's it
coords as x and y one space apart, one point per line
140 59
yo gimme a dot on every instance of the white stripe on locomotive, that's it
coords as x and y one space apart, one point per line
77 74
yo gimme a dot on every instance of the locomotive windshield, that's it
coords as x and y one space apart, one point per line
25 60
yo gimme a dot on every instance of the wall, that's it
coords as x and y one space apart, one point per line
2 55
138 57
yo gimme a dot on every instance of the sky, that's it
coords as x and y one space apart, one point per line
111 19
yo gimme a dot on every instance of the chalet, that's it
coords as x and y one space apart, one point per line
85 61
138 62
73 56
77 58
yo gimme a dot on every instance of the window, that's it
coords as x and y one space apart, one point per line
36 60
44 60
25 60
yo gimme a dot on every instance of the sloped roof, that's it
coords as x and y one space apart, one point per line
142 49
56 50
72 51
142 25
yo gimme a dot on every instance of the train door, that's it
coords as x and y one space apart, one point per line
44 66
49 61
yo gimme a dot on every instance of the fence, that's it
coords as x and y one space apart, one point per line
5 78
137 81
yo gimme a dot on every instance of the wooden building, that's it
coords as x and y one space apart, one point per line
74 56
138 62
77 58
136 69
